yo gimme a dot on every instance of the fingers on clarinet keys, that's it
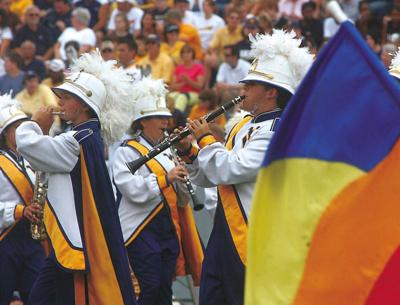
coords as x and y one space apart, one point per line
178 173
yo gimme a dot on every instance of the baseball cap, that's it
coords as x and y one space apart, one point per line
107 44
55 65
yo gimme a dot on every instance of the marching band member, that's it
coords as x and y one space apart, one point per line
88 264
274 74
149 200
395 66
21 257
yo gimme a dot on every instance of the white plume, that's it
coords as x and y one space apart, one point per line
285 44
149 88
117 111
7 101
396 60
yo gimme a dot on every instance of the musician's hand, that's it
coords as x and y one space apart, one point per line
183 144
44 118
178 173
198 128
31 212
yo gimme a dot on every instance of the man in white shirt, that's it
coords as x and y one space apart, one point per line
134 15
187 15
79 32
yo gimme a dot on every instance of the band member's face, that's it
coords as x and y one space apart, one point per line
254 93
155 124
71 106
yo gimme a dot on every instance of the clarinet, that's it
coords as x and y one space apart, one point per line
197 205
168 142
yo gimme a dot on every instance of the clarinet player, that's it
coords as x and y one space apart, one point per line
149 201
21 257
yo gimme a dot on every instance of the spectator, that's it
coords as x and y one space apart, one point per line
30 63
311 28
160 64
121 28
5 33
133 13
187 33
187 80
107 50
207 23
291 9
13 20
160 11
126 53
55 71
173 45
19 6
230 72
13 80
44 5
58 18
388 51
391 25
35 95
79 32
141 48
331 26
188 16
98 13
265 23
367 22
178 118
147 25
228 35
33 30
373 40
252 27
208 103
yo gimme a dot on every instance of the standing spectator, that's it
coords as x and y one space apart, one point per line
187 80
79 32
228 35
121 28
252 27
161 64
58 18
55 71
5 33
173 44
126 53
187 15
230 72
30 63
33 30
107 50
13 80
147 25
391 25
311 27
207 23
98 13
13 20
187 32
34 95
133 13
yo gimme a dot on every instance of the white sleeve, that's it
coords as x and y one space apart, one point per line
221 74
215 165
44 153
140 187
111 22
211 200
138 19
7 34
9 198
7 214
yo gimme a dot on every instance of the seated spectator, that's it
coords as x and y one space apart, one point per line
173 45
13 20
291 9
5 33
107 50
141 48
367 22
311 27
373 40
388 51
230 72
208 102
79 32
13 80
30 63
126 53
265 23
207 23
188 16
133 13
252 27
187 80
147 25
55 72
187 32
391 25
58 18
34 31
160 11
160 64
35 95
93 6
121 28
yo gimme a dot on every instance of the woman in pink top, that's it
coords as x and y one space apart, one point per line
187 80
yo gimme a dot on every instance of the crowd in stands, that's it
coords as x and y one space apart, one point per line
200 48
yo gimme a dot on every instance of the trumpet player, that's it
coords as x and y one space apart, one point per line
152 200
233 168
21 257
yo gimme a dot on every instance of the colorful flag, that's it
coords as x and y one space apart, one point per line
325 225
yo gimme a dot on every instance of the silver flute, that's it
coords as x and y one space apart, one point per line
57 113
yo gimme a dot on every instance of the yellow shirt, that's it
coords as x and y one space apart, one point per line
19 6
174 52
31 103
189 34
223 38
161 67
49 83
